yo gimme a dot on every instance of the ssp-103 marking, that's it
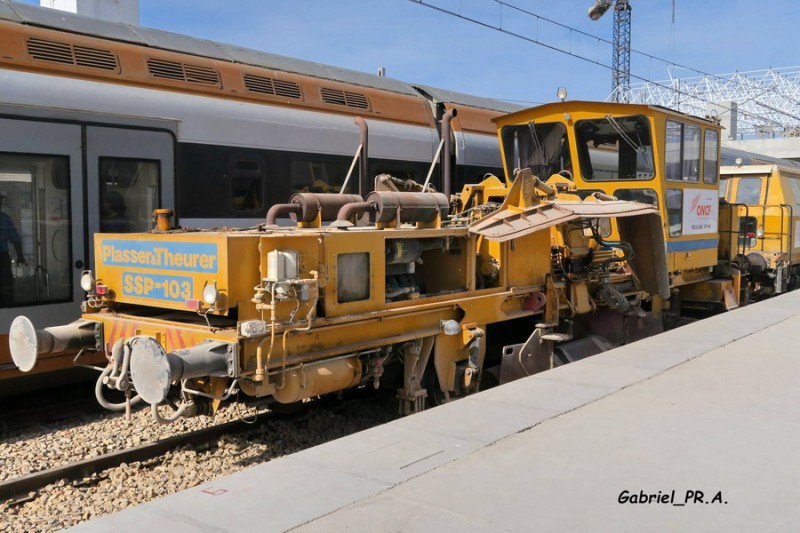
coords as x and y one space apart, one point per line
156 286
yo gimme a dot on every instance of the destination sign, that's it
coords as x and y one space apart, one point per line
175 256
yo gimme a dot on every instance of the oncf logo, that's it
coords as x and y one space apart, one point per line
702 210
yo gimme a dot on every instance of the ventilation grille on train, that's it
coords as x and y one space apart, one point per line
259 84
69 54
172 70
337 97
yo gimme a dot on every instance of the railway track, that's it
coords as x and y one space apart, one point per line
18 489
63 495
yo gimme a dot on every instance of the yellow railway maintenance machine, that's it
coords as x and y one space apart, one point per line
760 225
644 153
429 302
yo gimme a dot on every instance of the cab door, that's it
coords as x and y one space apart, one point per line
130 172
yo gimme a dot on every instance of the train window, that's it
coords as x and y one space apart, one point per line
682 154
675 212
129 193
615 148
748 191
353 277
322 176
247 183
541 147
646 196
405 171
711 157
35 222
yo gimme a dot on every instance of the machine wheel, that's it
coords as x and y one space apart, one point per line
430 381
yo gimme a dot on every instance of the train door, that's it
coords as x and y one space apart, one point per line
129 174
42 217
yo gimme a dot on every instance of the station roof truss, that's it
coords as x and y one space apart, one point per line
767 102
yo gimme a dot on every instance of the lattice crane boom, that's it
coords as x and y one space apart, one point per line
621 61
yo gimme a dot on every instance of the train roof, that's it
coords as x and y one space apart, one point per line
756 169
72 23
730 154
443 95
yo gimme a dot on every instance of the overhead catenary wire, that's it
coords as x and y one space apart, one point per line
792 122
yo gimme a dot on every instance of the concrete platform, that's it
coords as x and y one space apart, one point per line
713 407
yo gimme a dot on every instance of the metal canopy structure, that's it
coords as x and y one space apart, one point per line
761 103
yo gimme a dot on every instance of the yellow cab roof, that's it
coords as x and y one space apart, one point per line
600 108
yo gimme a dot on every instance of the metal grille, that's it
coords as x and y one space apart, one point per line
288 89
166 69
262 85
173 70
94 58
50 51
345 98
201 75
68 54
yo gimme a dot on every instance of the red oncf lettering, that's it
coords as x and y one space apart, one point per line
703 210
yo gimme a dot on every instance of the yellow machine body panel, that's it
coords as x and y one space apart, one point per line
770 195
170 270
760 224
301 311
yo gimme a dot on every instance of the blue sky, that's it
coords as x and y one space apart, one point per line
420 45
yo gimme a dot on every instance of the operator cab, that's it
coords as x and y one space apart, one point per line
633 152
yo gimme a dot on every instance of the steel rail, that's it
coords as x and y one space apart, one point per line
21 486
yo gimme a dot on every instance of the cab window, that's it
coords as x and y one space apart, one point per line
723 188
794 183
711 156
541 147
646 196
682 152
748 191
615 148
675 212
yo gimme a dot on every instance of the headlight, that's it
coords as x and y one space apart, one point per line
760 233
450 327
210 292
87 281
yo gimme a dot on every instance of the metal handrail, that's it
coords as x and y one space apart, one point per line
39 273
